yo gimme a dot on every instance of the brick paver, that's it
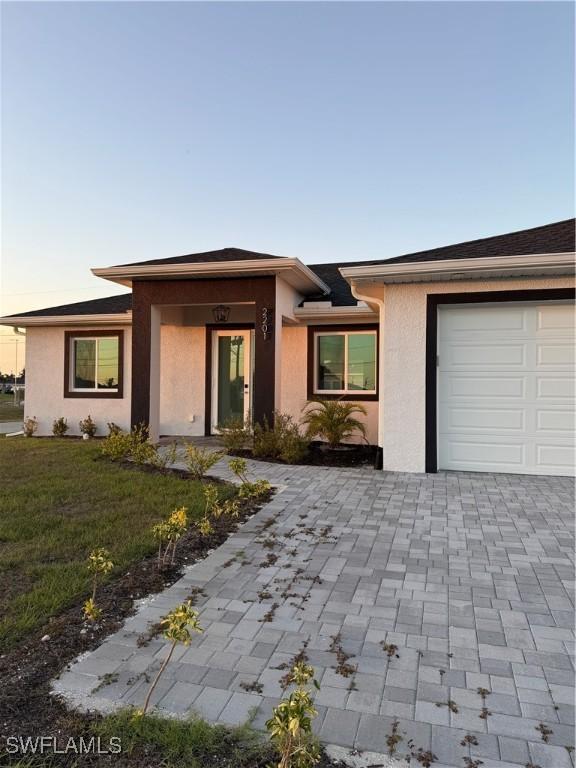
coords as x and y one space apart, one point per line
470 576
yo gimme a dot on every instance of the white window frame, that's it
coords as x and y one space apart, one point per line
346 390
72 358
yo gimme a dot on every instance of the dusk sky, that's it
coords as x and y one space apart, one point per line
326 131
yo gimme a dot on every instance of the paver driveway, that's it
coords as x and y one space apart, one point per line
469 575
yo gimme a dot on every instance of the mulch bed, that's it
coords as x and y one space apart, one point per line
320 456
26 708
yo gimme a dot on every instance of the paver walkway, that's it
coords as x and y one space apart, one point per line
468 575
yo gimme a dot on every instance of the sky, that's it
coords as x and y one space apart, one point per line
326 131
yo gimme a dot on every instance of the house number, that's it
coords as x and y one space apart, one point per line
266 324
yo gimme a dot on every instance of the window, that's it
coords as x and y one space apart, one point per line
94 364
345 362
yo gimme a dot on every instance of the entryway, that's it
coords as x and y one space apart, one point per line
232 376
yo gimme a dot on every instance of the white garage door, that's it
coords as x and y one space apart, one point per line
506 388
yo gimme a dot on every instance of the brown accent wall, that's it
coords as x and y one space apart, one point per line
147 293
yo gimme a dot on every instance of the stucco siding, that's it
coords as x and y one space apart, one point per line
45 385
182 380
294 381
403 344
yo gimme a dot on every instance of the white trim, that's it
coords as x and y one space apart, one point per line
72 366
118 319
292 270
360 311
497 266
346 391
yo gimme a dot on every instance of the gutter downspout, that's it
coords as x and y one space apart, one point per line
379 304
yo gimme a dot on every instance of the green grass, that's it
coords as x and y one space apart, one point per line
58 501
8 412
192 743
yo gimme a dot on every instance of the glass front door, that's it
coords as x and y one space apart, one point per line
231 377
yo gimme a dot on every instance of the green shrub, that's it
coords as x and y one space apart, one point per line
281 441
235 435
333 420
143 452
200 460
59 427
117 446
87 426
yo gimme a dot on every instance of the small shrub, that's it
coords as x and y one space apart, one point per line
113 429
256 490
99 565
142 452
169 533
239 467
281 441
333 420
30 426
178 626
59 427
290 727
200 460
235 435
87 426
117 446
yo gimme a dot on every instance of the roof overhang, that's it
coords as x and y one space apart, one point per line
292 270
323 310
124 318
539 265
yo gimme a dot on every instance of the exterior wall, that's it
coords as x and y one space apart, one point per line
403 347
294 380
182 380
45 385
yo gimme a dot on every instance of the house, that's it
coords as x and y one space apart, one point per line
462 355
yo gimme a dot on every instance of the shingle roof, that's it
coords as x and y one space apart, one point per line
550 238
111 305
224 254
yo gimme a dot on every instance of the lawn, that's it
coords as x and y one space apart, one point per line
8 412
58 501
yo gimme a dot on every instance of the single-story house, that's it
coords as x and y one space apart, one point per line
463 356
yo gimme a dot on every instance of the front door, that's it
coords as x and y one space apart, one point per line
232 365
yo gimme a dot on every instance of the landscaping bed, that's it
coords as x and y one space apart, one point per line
50 478
318 454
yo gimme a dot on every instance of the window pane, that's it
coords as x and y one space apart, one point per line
84 363
331 362
362 361
108 363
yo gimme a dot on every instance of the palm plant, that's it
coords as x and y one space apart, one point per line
333 420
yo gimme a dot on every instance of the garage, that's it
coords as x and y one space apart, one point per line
505 387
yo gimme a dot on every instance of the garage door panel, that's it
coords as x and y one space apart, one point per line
555 387
467 323
506 397
556 457
556 317
465 418
466 454
484 387
555 355
480 355
555 421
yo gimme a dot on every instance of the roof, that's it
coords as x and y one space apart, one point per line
551 238
224 254
110 305
558 237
